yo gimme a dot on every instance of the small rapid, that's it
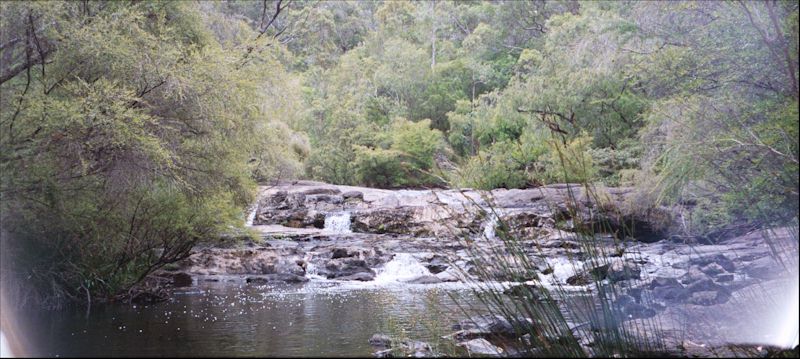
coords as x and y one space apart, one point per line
338 223
402 267
251 215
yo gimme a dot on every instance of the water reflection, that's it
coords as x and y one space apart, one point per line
225 319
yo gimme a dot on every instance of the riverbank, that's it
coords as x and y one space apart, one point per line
703 296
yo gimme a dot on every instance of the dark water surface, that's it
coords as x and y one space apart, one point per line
234 319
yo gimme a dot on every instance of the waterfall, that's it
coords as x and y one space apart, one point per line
489 228
338 223
311 269
401 268
251 215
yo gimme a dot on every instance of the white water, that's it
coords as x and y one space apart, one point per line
251 215
563 268
338 223
402 267
489 228
491 222
312 272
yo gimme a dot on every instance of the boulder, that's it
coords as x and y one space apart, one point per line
621 270
481 346
719 259
706 292
340 253
713 269
693 275
724 278
668 289
344 267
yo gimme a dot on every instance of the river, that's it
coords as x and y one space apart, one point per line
326 319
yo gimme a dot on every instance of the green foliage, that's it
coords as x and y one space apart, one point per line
493 168
206 99
571 162
138 137
408 162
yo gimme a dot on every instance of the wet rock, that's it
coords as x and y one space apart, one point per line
668 289
314 219
181 280
390 347
587 277
713 269
671 293
448 276
693 275
425 279
706 292
724 278
466 334
343 267
380 340
385 353
416 349
437 265
494 325
360 276
278 277
621 270
340 253
709 298
481 346
719 259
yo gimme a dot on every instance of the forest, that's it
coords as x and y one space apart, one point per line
133 131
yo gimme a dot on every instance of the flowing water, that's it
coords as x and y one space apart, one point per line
338 223
402 267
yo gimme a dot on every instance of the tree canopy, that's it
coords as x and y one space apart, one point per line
131 131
